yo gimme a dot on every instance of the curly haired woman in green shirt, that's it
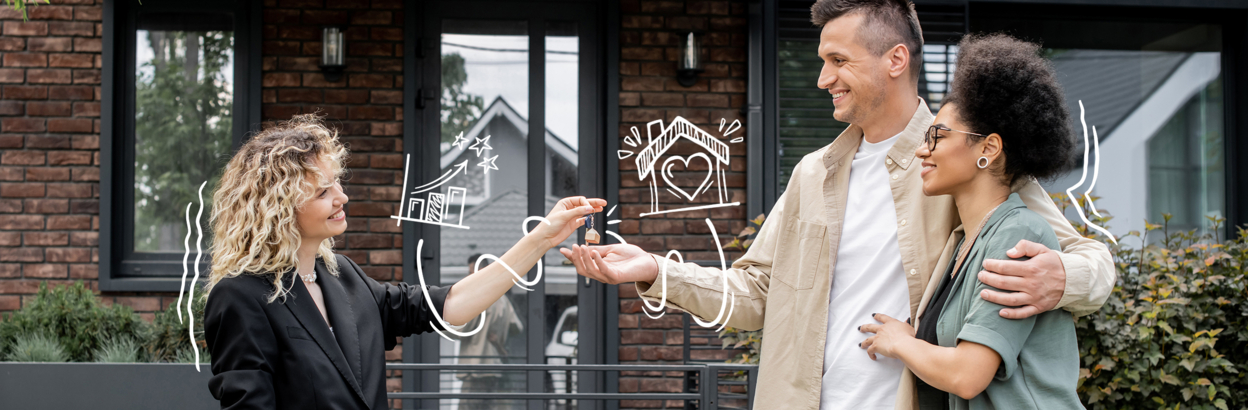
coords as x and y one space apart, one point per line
1004 121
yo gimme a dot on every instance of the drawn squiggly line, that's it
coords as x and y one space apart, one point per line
519 281
1070 191
199 253
723 264
420 274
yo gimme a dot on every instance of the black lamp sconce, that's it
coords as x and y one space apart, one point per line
333 50
690 60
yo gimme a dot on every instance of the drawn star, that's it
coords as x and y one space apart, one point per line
487 164
459 139
481 145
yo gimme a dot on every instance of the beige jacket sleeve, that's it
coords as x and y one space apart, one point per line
700 290
1090 273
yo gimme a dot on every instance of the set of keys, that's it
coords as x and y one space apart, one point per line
591 235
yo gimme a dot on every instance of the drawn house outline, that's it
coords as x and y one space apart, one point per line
659 140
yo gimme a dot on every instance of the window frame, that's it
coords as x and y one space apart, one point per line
762 98
116 217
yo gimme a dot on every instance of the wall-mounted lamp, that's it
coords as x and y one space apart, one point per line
333 48
690 64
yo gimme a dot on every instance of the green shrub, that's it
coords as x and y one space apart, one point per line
85 330
1172 334
118 350
168 335
72 316
35 347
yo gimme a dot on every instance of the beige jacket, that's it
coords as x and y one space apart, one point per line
783 281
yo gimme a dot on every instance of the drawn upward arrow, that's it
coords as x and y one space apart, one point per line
442 179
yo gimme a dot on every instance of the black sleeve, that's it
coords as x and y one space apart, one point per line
404 310
243 348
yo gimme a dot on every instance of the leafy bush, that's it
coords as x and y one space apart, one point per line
73 317
118 350
1172 334
74 323
35 347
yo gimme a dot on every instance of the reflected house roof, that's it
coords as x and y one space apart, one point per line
500 109
1111 83
495 221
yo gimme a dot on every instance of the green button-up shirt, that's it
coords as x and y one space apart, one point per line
1039 355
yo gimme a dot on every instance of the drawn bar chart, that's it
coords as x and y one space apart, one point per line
435 207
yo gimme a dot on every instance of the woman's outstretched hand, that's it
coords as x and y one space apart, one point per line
565 217
613 264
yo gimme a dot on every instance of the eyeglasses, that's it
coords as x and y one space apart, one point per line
933 134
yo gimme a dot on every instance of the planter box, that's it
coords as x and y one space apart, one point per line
105 386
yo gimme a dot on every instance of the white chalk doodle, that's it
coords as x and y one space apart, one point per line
190 287
438 207
1070 191
481 145
518 281
713 157
720 318
459 139
487 164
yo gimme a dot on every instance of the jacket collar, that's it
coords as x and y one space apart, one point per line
902 152
344 338
1011 203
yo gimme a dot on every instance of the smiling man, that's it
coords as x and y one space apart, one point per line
853 235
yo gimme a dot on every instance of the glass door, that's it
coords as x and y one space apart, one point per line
508 130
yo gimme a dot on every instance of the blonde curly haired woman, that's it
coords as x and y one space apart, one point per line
292 325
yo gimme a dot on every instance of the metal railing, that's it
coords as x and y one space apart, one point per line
708 374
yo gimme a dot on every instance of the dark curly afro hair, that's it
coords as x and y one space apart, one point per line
1002 85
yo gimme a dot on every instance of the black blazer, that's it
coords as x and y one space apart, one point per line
282 355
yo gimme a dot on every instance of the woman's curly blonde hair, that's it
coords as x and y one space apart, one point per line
253 209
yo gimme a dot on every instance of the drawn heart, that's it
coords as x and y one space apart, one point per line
667 173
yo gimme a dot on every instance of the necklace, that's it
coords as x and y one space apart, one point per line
966 248
309 278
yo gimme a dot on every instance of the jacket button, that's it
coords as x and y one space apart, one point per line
888 161
903 161
894 177
913 272
903 222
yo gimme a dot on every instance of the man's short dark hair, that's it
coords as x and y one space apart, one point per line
1002 85
885 24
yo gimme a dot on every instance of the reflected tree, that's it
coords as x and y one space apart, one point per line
183 123
460 110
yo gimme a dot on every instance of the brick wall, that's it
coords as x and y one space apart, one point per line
649 37
365 106
49 164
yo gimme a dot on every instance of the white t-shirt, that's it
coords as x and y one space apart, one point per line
867 279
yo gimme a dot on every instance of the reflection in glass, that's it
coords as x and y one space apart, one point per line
182 129
1158 115
484 108
562 64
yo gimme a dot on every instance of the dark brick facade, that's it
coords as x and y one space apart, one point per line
49 141
650 32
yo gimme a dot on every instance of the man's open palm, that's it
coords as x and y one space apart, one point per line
613 264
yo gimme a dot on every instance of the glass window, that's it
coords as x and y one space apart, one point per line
179 98
1154 94
183 95
485 110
